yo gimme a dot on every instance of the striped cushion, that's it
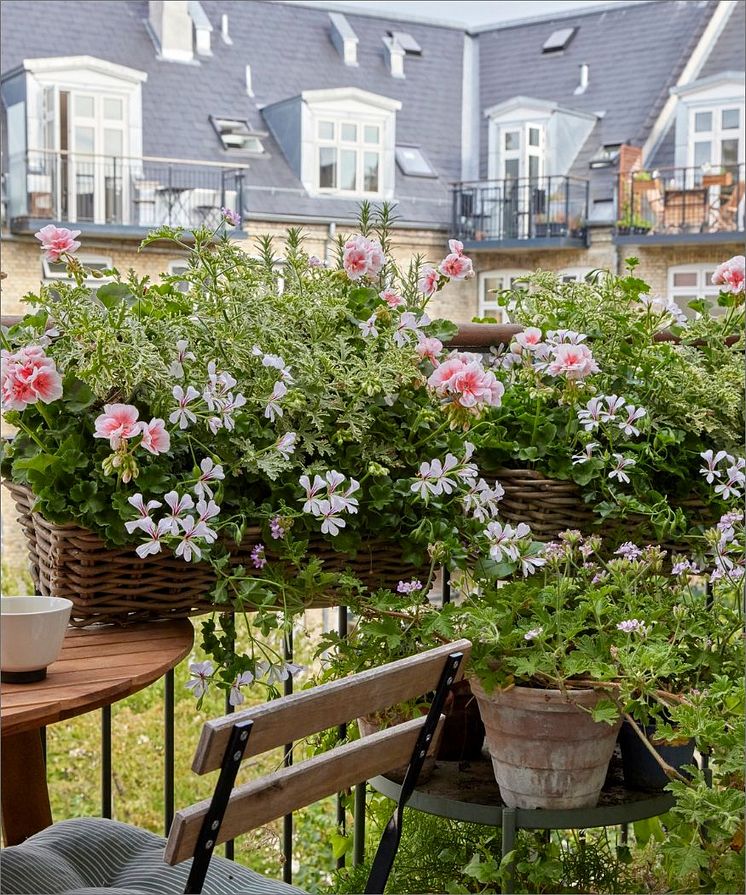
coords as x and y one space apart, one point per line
88 856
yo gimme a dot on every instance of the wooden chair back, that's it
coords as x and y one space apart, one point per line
299 715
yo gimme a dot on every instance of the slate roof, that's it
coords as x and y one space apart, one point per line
635 54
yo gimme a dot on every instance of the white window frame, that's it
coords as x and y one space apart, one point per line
717 133
704 288
359 146
355 106
573 274
102 261
488 306
713 94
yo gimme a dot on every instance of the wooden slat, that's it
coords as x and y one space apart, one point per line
310 711
277 794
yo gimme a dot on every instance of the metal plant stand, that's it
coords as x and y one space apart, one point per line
468 792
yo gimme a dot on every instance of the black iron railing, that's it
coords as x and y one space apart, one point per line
681 200
109 190
521 209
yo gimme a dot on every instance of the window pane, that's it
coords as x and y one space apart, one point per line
513 140
729 152
348 169
112 108
327 167
702 153
349 132
685 279
113 142
511 168
731 119
84 106
533 166
370 134
370 161
533 136
326 130
490 284
84 139
703 122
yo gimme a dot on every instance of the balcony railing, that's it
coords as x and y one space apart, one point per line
672 202
533 208
115 191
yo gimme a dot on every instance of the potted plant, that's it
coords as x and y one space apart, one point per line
242 445
611 397
562 657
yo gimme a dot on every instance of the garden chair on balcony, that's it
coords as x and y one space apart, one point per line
93 855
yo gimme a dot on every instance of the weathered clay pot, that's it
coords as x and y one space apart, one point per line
546 751
373 723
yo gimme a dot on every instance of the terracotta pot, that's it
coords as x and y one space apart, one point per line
546 751
373 723
463 730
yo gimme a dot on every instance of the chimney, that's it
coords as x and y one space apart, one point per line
172 26
202 28
396 56
344 38
583 85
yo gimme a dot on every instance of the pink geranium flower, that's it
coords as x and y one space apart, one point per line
428 281
572 361
391 298
456 267
57 241
456 247
730 275
28 376
429 348
362 257
118 422
463 378
155 437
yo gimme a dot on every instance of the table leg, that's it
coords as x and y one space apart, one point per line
25 797
508 836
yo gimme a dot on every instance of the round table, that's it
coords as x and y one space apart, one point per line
98 666
467 791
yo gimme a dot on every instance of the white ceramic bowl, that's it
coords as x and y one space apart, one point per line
31 633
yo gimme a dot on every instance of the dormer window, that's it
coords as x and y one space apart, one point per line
236 134
349 154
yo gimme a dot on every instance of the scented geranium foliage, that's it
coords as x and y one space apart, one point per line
273 392
620 392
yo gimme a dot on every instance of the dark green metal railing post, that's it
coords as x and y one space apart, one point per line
168 750
106 761
287 821
341 814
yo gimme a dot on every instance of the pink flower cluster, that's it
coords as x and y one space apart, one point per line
119 423
572 361
730 275
462 378
28 376
362 258
57 241
455 266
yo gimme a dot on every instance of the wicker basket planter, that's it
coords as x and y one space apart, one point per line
114 585
550 506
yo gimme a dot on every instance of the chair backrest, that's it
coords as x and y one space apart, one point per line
226 741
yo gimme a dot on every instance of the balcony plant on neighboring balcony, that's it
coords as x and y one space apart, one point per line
607 418
240 445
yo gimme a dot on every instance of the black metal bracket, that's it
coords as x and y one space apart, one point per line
208 833
389 844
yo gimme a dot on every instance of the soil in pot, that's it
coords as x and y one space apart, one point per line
641 770
546 750
463 729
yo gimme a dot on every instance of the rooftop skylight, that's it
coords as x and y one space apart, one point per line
236 134
412 162
558 40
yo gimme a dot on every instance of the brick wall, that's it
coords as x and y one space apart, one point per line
655 260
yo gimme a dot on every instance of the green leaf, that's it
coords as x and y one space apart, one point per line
340 845
605 711
113 294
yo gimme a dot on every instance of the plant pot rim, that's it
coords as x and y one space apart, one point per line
539 693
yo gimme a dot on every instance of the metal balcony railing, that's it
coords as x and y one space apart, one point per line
672 201
119 191
521 209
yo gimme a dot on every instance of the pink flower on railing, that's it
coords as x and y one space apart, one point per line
362 257
572 361
463 378
57 241
155 438
428 281
730 275
28 376
118 422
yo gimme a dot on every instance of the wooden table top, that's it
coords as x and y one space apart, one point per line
98 665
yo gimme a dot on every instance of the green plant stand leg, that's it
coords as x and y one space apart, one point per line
508 827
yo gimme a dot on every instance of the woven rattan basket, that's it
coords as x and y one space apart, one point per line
550 506
113 585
